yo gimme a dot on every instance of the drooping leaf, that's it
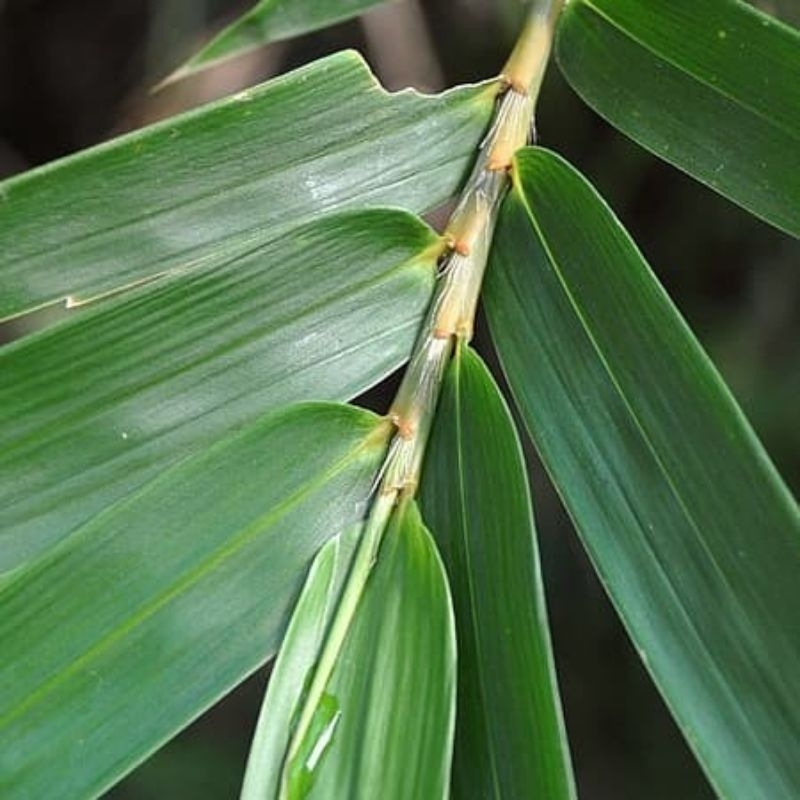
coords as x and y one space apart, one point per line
713 87
689 526
200 189
510 739
157 607
269 21
384 727
95 406
299 652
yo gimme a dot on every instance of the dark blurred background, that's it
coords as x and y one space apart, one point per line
76 72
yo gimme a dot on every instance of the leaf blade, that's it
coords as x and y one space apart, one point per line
390 722
663 477
510 739
682 84
198 190
153 610
299 652
101 403
271 21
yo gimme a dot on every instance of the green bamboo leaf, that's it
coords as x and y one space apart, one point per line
270 21
510 740
713 87
96 406
201 189
385 724
299 652
157 607
693 533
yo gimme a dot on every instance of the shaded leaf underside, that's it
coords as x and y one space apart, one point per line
269 21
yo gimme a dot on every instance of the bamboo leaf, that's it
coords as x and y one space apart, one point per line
96 406
384 727
269 21
690 528
299 652
713 87
157 607
204 188
510 740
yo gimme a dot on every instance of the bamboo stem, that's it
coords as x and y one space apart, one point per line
450 318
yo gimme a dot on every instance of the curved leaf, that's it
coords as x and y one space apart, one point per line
201 189
384 727
510 740
151 612
713 87
692 531
270 21
97 405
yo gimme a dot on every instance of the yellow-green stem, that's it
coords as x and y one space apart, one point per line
450 318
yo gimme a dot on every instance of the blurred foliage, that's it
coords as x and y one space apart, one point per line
85 76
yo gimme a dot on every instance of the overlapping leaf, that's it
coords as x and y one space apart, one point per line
94 407
510 740
713 87
269 21
692 531
384 726
156 608
205 187
298 655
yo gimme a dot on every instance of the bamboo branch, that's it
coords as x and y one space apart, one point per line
450 319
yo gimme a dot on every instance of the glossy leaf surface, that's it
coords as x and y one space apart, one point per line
713 87
692 531
384 727
510 740
269 21
201 189
97 405
151 612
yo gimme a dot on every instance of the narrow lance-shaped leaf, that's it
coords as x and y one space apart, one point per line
299 652
713 87
97 405
160 605
200 189
269 21
691 529
384 726
510 740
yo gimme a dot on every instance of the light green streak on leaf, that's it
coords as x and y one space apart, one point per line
510 739
95 406
270 21
291 674
385 726
713 87
693 533
204 188
151 612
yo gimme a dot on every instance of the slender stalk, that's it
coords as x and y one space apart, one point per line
450 318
